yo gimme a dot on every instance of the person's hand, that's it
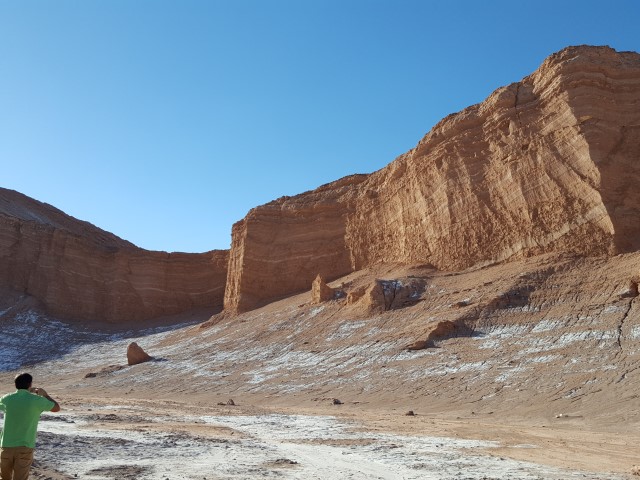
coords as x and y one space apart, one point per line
39 391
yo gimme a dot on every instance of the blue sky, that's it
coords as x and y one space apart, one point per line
164 122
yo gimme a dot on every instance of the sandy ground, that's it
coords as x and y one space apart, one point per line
544 386
159 439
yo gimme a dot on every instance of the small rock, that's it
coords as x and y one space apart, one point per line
231 402
285 461
410 413
337 401
635 470
136 355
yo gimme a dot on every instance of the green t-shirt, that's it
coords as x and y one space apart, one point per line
22 411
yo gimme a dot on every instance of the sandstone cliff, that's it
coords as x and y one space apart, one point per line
546 164
81 272
280 247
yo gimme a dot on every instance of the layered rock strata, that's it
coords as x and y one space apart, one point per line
81 272
281 247
546 164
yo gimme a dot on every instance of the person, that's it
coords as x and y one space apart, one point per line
22 411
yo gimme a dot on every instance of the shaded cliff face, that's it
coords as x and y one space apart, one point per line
81 272
278 247
546 164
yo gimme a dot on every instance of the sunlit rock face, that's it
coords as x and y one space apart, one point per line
548 164
81 272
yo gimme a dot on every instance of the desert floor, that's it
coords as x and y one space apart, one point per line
543 386
111 438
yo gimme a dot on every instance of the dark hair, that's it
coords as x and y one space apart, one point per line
23 381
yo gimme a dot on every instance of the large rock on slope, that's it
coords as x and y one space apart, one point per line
81 272
136 355
546 164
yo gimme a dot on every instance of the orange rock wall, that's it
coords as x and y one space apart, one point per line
80 272
546 164
279 248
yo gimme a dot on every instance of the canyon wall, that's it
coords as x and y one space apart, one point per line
81 272
280 245
546 164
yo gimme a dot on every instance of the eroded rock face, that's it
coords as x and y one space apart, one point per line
280 247
386 295
536 167
81 272
546 164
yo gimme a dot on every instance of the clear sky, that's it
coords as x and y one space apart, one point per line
164 122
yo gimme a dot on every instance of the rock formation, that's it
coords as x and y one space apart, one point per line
320 291
136 355
390 294
439 331
548 164
81 272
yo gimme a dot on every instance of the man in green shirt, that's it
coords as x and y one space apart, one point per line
22 411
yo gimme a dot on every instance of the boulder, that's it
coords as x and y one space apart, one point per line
439 331
386 295
355 295
136 355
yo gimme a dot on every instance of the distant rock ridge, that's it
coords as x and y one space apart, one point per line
81 272
26 209
546 164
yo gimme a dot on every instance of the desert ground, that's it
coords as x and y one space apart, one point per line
110 438
542 385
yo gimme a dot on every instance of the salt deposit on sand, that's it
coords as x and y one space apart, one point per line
97 443
505 383
142 422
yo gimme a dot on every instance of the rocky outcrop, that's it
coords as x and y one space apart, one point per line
136 355
440 331
547 164
320 291
543 165
81 272
386 295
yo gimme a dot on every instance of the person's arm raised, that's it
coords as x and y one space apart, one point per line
43 393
